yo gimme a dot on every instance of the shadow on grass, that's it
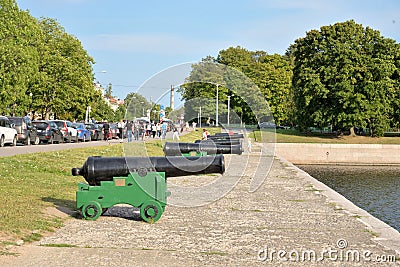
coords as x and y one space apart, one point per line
63 205
69 207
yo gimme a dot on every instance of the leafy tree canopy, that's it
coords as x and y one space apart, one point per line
345 75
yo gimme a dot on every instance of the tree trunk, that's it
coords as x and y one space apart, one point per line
352 133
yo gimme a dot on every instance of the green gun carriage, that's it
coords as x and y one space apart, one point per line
138 181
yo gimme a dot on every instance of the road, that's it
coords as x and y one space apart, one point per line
8 151
21 149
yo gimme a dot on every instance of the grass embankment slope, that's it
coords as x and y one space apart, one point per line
31 183
293 136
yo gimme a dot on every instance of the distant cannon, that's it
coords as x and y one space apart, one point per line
137 181
228 134
222 137
206 148
228 142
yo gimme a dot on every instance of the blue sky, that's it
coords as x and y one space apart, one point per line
133 40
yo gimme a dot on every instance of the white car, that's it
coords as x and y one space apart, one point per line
8 135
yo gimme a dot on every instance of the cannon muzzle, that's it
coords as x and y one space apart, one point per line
97 169
176 149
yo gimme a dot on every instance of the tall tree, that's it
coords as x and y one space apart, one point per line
19 34
135 105
208 78
65 80
271 73
343 76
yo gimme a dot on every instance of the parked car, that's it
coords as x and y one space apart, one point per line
266 125
8 135
95 130
83 133
114 131
26 132
49 132
69 132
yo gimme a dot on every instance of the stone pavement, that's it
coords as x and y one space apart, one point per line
290 220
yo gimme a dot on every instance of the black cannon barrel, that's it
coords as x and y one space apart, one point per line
229 142
176 149
236 136
228 134
97 169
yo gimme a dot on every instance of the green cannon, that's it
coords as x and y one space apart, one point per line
200 149
138 181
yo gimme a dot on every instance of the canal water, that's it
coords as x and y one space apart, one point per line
375 189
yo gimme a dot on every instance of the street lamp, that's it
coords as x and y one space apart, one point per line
229 107
142 109
216 109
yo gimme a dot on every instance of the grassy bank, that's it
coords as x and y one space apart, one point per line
31 183
294 136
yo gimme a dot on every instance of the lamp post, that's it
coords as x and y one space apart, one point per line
200 118
229 108
142 109
216 109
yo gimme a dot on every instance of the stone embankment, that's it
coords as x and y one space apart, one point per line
351 154
291 219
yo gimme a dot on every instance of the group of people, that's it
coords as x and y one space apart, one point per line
142 130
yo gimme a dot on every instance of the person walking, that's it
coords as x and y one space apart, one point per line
158 129
120 126
129 130
153 130
163 130
205 134
176 133
106 128
136 131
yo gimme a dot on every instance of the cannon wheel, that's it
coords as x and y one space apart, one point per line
151 211
91 211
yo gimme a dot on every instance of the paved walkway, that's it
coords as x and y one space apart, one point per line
290 220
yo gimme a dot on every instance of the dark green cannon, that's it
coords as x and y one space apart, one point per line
138 181
201 149
226 142
225 137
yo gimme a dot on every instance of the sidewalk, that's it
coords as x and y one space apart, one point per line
290 216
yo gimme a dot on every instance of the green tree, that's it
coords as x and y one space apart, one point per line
271 73
136 105
101 111
207 78
343 76
65 75
19 35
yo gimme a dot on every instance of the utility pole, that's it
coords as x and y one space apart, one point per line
172 98
216 109
229 107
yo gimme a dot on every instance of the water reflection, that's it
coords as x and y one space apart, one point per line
375 189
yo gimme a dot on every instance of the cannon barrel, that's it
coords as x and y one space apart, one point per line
176 149
224 137
228 134
220 141
97 169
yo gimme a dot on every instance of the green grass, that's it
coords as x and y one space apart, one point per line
31 183
294 136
